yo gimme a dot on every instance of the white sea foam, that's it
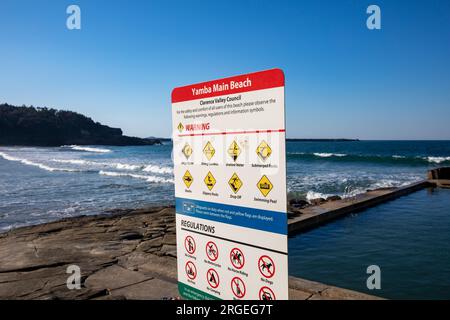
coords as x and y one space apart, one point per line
35 164
120 166
157 169
125 166
315 195
78 162
437 159
136 176
398 157
88 149
327 155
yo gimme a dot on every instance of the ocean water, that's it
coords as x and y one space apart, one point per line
44 184
408 238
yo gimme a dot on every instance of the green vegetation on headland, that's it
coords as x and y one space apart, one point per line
30 126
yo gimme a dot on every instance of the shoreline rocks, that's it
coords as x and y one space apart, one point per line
124 254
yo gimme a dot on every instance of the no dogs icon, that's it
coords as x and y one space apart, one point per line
266 266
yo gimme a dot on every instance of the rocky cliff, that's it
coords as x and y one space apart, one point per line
30 126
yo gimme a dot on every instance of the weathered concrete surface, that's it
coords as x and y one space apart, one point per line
126 255
442 173
442 183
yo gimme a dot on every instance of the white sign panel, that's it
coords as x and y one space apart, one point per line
230 187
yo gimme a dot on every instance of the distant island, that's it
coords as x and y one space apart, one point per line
30 126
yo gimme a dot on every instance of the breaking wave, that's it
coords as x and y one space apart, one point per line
157 169
438 159
394 159
88 149
327 155
136 176
120 166
36 164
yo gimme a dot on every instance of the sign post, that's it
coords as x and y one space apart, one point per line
230 187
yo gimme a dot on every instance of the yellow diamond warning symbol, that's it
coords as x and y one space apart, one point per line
187 150
209 151
234 151
209 180
264 185
188 179
264 151
180 127
235 183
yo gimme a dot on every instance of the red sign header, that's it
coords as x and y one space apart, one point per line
247 82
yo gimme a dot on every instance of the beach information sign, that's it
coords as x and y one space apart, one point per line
230 188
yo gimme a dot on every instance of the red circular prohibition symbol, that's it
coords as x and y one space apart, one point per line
212 251
191 270
237 258
189 244
265 293
266 266
238 287
213 278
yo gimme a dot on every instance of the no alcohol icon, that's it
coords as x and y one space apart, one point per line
238 287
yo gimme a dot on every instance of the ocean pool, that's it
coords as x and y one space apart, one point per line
408 238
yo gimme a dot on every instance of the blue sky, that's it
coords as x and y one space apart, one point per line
342 80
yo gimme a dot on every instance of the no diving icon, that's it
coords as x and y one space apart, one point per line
266 266
237 258
211 251
213 278
238 287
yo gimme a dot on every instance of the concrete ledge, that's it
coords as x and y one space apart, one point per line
311 217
